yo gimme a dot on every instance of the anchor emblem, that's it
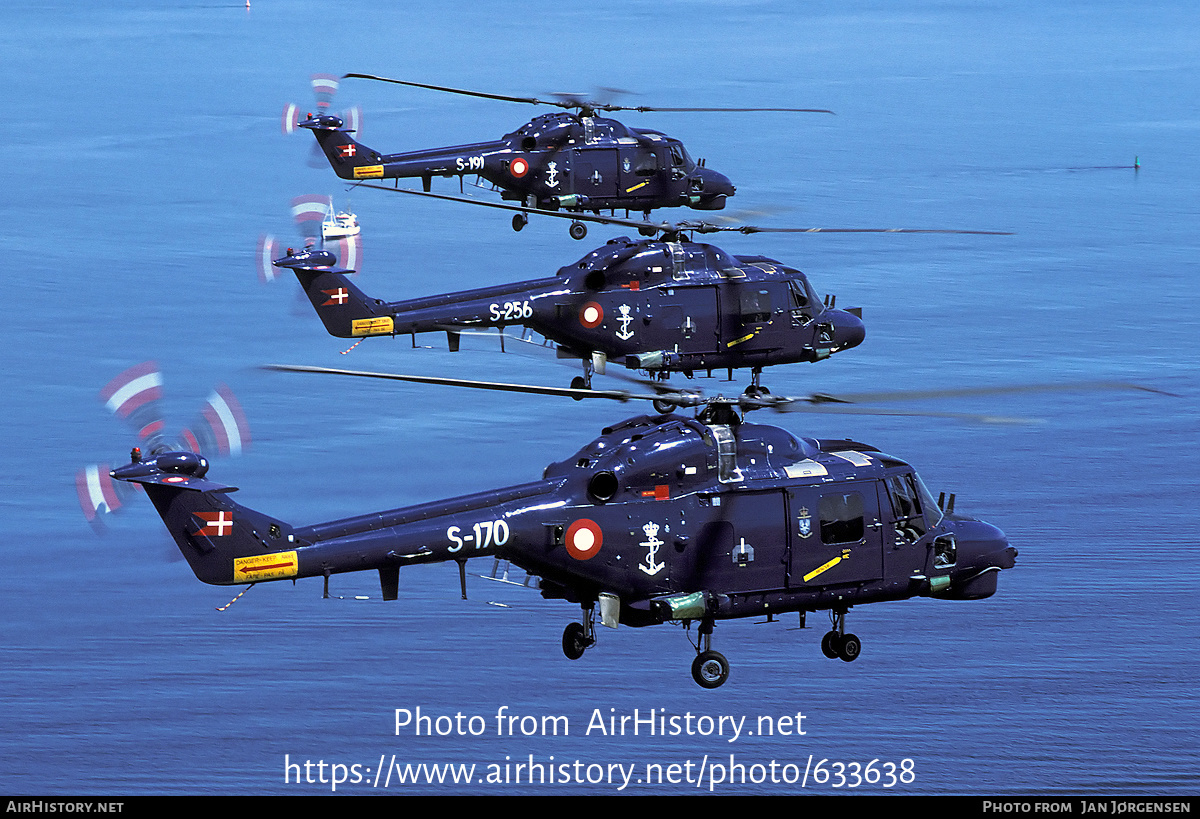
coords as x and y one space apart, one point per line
652 542
626 320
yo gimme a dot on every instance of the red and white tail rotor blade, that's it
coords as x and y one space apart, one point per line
325 88
309 211
349 252
99 494
290 120
352 120
268 250
224 431
135 397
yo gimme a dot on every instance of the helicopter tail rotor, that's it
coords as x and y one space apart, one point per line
350 159
221 540
312 215
135 397
325 87
345 310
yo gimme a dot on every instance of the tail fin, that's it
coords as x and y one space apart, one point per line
346 311
224 542
350 159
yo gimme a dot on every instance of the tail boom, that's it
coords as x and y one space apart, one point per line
226 543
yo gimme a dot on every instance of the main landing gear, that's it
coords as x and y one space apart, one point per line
756 389
579 637
837 644
584 382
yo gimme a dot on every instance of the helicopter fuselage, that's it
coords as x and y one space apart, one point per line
677 519
555 161
656 306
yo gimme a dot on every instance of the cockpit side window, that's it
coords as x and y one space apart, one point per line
841 518
755 305
676 154
799 297
906 507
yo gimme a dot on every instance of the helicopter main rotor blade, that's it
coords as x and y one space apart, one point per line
572 101
566 392
638 224
463 91
649 108
709 227
967 392
664 227
815 403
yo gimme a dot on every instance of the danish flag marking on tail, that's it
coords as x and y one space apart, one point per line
336 297
215 524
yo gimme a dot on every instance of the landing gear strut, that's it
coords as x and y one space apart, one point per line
583 382
756 389
579 637
710 669
837 644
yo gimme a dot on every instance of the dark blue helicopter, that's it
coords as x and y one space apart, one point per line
573 160
658 306
662 519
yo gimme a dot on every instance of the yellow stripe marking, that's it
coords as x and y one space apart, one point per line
265 567
381 326
827 566
368 172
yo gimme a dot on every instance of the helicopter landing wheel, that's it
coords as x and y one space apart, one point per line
710 669
579 383
647 231
662 407
830 644
520 220
575 641
849 648
578 230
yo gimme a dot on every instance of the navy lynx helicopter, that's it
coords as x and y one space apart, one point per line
661 306
573 160
662 519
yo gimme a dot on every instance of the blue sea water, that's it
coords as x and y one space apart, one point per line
144 158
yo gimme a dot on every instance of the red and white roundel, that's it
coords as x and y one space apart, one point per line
518 168
591 314
584 539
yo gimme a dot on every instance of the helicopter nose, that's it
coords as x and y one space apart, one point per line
848 329
717 184
983 546
982 552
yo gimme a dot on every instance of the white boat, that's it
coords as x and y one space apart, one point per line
339 225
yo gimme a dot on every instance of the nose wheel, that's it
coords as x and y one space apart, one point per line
578 230
710 669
